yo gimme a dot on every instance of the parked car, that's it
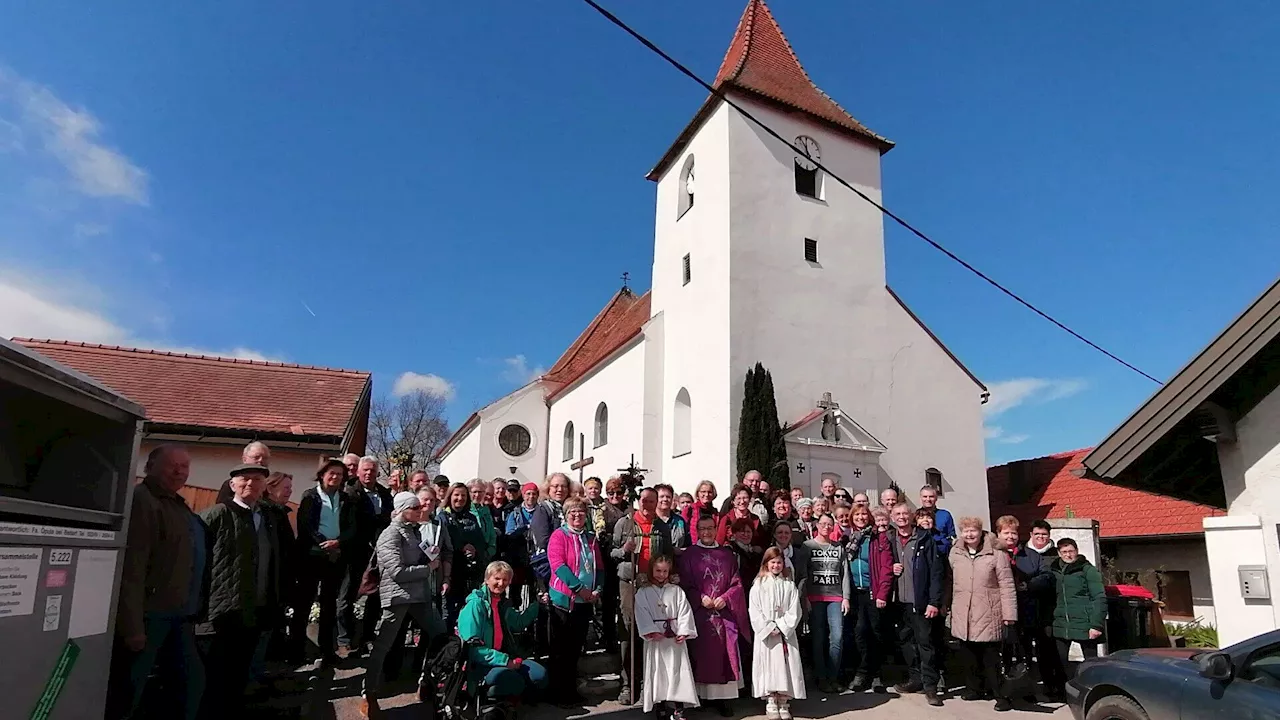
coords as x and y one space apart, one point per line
1241 682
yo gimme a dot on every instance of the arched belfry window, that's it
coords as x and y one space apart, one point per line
933 478
682 425
808 176
686 188
602 425
567 452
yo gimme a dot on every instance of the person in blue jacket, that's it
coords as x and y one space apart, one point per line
943 524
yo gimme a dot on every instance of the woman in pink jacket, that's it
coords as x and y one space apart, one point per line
577 576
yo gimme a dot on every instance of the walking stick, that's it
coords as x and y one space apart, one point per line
631 624
635 588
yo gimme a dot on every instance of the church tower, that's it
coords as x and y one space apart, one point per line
761 256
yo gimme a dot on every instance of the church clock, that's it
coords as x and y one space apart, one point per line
809 148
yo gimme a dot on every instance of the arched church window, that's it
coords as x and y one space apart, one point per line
933 478
808 177
567 452
602 425
686 188
682 425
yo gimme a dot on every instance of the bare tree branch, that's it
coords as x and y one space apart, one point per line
412 423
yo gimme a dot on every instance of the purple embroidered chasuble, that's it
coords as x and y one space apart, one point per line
713 572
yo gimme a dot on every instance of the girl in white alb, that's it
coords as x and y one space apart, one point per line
665 621
777 674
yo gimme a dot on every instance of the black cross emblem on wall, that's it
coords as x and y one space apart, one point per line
857 472
800 467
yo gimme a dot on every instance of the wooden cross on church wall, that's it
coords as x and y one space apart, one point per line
582 462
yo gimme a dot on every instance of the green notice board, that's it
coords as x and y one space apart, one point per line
57 681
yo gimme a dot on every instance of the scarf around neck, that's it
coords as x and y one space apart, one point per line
586 558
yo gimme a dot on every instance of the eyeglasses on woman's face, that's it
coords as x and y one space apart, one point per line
576 513
617 493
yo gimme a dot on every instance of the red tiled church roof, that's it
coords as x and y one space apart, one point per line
1054 483
761 60
761 63
614 326
221 393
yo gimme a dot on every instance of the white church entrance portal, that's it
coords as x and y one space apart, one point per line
826 443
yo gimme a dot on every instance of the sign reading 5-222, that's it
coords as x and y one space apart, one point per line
61 557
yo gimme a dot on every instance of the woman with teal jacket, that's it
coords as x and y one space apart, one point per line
489 618
1080 610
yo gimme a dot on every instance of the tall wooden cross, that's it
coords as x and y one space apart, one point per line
583 461
830 426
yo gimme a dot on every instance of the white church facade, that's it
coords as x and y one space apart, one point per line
751 238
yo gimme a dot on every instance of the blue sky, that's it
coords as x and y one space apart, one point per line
453 189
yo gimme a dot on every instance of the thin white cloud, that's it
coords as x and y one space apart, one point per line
238 353
10 137
410 382
996 433
27 312
1008 394
70 135
516 370
89 229
31 310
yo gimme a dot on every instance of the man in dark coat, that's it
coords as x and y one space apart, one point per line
163 589
373 503
918 600
244 592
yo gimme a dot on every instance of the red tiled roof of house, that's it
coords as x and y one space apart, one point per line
760 62
219 393
615 325
1054 483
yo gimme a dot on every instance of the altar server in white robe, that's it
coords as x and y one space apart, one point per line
777 674
665 621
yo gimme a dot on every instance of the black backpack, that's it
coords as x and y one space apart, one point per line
444 656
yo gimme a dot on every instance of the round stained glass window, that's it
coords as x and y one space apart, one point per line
514 440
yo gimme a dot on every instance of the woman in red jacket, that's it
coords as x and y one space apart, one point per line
741 510
870 582
704 504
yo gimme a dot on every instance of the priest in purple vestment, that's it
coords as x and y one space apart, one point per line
709 576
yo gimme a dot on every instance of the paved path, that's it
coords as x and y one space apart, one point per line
334 695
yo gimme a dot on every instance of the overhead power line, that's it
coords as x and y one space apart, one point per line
886 211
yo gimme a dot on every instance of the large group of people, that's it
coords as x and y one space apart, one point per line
702 603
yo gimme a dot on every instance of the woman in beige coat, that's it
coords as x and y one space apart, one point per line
984 604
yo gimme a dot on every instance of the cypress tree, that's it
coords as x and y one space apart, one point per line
761 440
775 469
749 421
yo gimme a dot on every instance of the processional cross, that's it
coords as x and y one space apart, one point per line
582 462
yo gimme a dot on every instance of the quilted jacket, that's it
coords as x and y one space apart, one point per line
233 587
402 565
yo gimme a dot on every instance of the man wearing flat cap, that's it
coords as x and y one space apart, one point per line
244 592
